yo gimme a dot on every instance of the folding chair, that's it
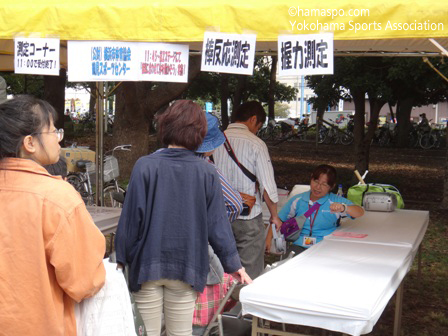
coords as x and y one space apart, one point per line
227 325
232 323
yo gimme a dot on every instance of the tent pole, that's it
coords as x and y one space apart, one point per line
442 49
99 197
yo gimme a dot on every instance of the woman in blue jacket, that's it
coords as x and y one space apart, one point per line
174 207
324 208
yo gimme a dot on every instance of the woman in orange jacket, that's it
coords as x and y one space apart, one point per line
50 250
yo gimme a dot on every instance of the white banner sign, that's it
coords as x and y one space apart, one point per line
102 61
228 53
162 62
127 61
310 54
36 56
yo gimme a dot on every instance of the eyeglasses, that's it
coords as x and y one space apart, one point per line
59 132
323 185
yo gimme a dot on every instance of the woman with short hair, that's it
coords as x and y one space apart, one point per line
174 206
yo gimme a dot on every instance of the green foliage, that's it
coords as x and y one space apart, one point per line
258 84
24 84
383 78
411 77
205 88
327 91
207 85
281 110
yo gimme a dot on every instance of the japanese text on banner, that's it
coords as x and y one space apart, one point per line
229 53
36 56
127 61
114 61
158 62
305 54
162 64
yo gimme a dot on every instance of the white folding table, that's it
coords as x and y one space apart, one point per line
397 228
105 218
341 284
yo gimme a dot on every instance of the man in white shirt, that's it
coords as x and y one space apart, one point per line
252 153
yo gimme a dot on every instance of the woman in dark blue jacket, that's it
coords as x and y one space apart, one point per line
174 206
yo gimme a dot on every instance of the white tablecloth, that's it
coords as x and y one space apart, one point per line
399 228
105 218
341 284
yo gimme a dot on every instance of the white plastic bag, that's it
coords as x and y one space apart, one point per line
108 312
278 243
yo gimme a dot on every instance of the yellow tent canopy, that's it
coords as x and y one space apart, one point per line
377 25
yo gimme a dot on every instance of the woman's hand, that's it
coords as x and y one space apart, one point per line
242 276
338 207
352 210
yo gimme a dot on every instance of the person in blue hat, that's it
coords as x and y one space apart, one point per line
217 280
213 139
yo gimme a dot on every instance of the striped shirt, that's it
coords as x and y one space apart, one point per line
232 198
253 153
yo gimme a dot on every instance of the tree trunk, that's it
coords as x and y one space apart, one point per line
361 150
136 104
271 95
392 115
444 204
375 107
319 117
224 99
239 91
92 99
54 93
403 121
445 182
131 125
165 93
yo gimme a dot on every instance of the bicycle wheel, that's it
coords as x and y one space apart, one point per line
80 186
108 200
276 134
322 135
413 140
427 141
329 138
346 139
262 133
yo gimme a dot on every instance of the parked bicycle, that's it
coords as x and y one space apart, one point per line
432 139
83 180
333 134
300 133
386 134
425 136
272 131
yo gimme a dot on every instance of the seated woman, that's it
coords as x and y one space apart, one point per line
326 209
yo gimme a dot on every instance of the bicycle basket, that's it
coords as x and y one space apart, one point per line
111 170
91 170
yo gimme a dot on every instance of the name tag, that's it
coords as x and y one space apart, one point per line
309 241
